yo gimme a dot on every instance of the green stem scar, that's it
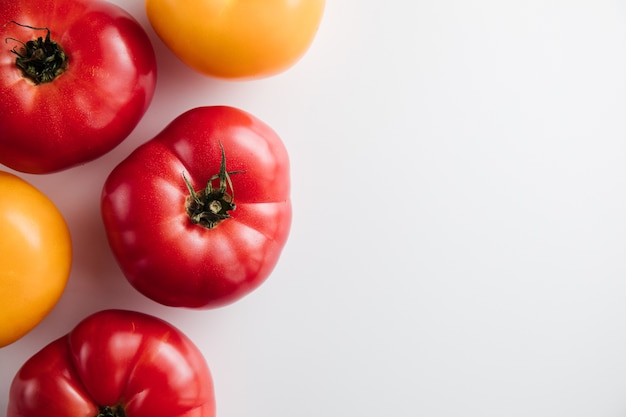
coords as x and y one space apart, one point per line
211 205
111 412
41 60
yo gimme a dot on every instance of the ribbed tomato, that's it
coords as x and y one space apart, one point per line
115 363
198 216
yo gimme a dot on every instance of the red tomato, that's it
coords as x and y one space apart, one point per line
209 250
115 363
76 76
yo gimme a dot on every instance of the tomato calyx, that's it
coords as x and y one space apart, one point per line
111 412
211 205
41 60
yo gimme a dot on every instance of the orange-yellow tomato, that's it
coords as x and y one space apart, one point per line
35 257
236 39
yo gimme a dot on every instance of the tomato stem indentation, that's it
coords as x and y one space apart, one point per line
211 205
41 60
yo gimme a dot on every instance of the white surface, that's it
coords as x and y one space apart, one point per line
459 223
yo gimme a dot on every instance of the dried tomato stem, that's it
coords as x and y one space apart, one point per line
111 412
211 205
41 60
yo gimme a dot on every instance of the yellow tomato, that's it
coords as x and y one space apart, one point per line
236 39
35 257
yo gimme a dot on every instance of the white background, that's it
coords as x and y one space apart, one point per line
459 228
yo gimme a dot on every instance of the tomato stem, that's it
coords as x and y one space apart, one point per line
111 412
211 205
41 60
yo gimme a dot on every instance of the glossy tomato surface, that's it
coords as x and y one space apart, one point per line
115 363
35 257
237 39
97 83
231 247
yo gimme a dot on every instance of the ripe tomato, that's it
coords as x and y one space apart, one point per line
115 363
198 216
76 76
237 39
35 257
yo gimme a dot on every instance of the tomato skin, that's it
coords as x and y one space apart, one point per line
90 108
35 257
161 252
115 358
237 39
